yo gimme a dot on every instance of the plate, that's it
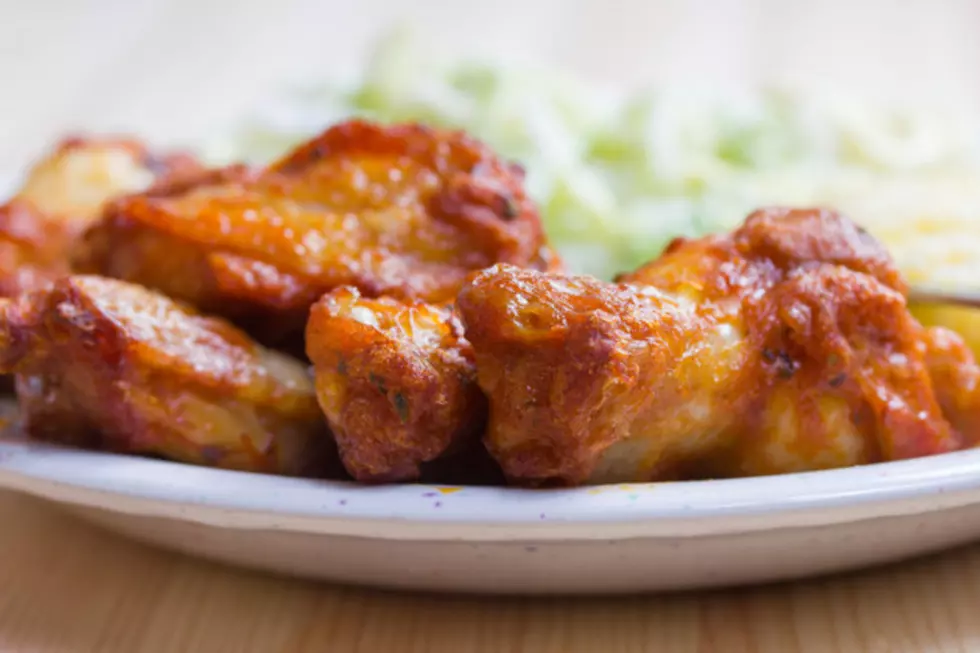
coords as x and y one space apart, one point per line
600 540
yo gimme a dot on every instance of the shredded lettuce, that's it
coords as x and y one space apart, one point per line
618 175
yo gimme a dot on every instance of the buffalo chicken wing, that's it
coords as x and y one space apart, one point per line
396 381
63 194
105 364
785 346
401 211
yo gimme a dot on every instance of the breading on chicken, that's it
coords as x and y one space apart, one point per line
61 195
105 364
785 346
403 211
396 381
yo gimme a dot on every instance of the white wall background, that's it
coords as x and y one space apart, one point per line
175 68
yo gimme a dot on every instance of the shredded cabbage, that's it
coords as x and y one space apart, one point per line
618 176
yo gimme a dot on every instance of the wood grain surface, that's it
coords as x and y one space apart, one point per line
177 69
66 586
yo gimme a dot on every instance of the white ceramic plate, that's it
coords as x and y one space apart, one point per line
612 539
592 540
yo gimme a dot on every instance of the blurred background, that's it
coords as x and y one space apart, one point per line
179 68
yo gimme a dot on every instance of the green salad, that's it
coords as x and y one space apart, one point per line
618 175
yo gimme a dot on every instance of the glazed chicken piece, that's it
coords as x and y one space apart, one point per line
402 211
396 382
63 194
956 379
33 247
105 364
785 346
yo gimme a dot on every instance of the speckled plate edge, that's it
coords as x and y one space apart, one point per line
240 500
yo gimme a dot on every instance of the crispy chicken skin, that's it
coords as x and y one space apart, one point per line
61 195
396 381
784 346
956 380
105 364
33 247
403 211
82 173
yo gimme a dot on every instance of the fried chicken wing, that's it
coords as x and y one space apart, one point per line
33 247
956 379
62 194
402 211
77 178
785 346
396 381
105 364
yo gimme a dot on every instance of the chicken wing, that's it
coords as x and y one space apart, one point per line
396 382
105 364
785 346
403 211
33 247
61 195
956 380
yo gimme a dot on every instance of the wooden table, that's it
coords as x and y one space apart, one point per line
67 587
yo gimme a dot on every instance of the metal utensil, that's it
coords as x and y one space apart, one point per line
930 295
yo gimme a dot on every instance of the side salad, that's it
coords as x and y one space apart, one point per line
619 175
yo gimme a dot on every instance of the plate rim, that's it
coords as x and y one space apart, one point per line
148 487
